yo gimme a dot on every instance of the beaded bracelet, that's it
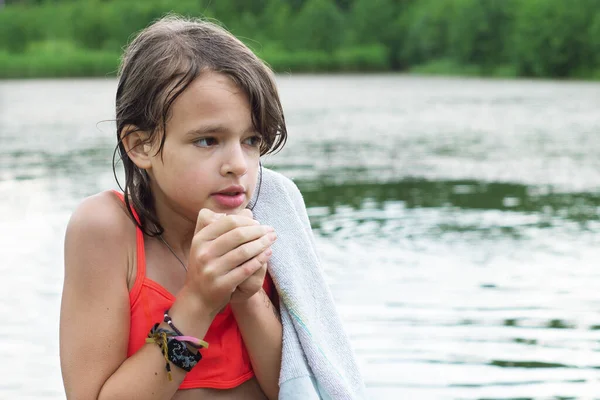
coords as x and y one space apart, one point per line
194 342
174 349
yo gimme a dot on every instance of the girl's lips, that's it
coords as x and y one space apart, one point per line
229 201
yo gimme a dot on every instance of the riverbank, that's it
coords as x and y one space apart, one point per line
512 38
62 61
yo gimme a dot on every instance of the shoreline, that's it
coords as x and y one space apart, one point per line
94 64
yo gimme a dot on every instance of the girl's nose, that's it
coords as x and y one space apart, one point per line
235 161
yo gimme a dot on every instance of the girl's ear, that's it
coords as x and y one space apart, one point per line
137 146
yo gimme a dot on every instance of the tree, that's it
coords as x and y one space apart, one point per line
426 23
318 26
480 31
551 36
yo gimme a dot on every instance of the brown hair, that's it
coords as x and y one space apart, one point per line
157 67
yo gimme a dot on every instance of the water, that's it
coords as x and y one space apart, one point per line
457 221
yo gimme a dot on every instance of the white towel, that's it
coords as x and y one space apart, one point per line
317 359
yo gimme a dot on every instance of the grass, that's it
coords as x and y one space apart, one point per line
356 59
445 67
63 59
452 68
57 59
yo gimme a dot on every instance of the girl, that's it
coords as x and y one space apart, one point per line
173 272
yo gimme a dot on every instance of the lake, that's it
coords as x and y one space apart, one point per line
457 221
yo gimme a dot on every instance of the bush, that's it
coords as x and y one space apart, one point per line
479 32
362 59
545 38
427 28
298 61
318 26
352 59
551 37
18 29
594 40
446 67
57 59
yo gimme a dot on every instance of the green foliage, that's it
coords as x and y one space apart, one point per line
361 59
593 38
300 60
371 21
274 23
16 30
353 59
479 32
451 67
91 25
551 36
376 22
57 59
545 38
318 26
446 67
427 27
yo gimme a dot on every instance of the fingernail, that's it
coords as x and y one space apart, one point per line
268 252
272 237
219 215
269 228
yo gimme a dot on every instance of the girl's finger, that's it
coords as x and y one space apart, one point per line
222 225
246 252
246 213
238 275
237 237
206 217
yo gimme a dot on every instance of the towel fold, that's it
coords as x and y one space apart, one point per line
317 359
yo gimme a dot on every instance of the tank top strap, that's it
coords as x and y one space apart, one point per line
140 272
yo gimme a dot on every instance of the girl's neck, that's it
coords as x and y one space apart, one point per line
179 243
178 230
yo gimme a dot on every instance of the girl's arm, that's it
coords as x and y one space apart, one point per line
260 324
94 321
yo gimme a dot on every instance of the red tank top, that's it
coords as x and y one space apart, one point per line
225 363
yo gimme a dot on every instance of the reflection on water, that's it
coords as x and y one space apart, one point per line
537 206
480 287
457 221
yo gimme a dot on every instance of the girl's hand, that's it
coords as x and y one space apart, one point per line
254 283
226 251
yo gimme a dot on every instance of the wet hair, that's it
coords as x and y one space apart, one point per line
157 66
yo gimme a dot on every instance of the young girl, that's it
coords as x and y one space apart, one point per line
166 292
195 109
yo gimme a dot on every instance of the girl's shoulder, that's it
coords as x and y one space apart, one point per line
102 214
101 227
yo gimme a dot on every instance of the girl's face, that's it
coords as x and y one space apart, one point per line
211 152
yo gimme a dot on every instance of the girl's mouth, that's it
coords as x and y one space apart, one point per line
230 199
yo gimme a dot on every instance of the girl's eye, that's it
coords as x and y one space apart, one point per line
205 142
253 141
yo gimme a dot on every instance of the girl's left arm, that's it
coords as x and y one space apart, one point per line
260 324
